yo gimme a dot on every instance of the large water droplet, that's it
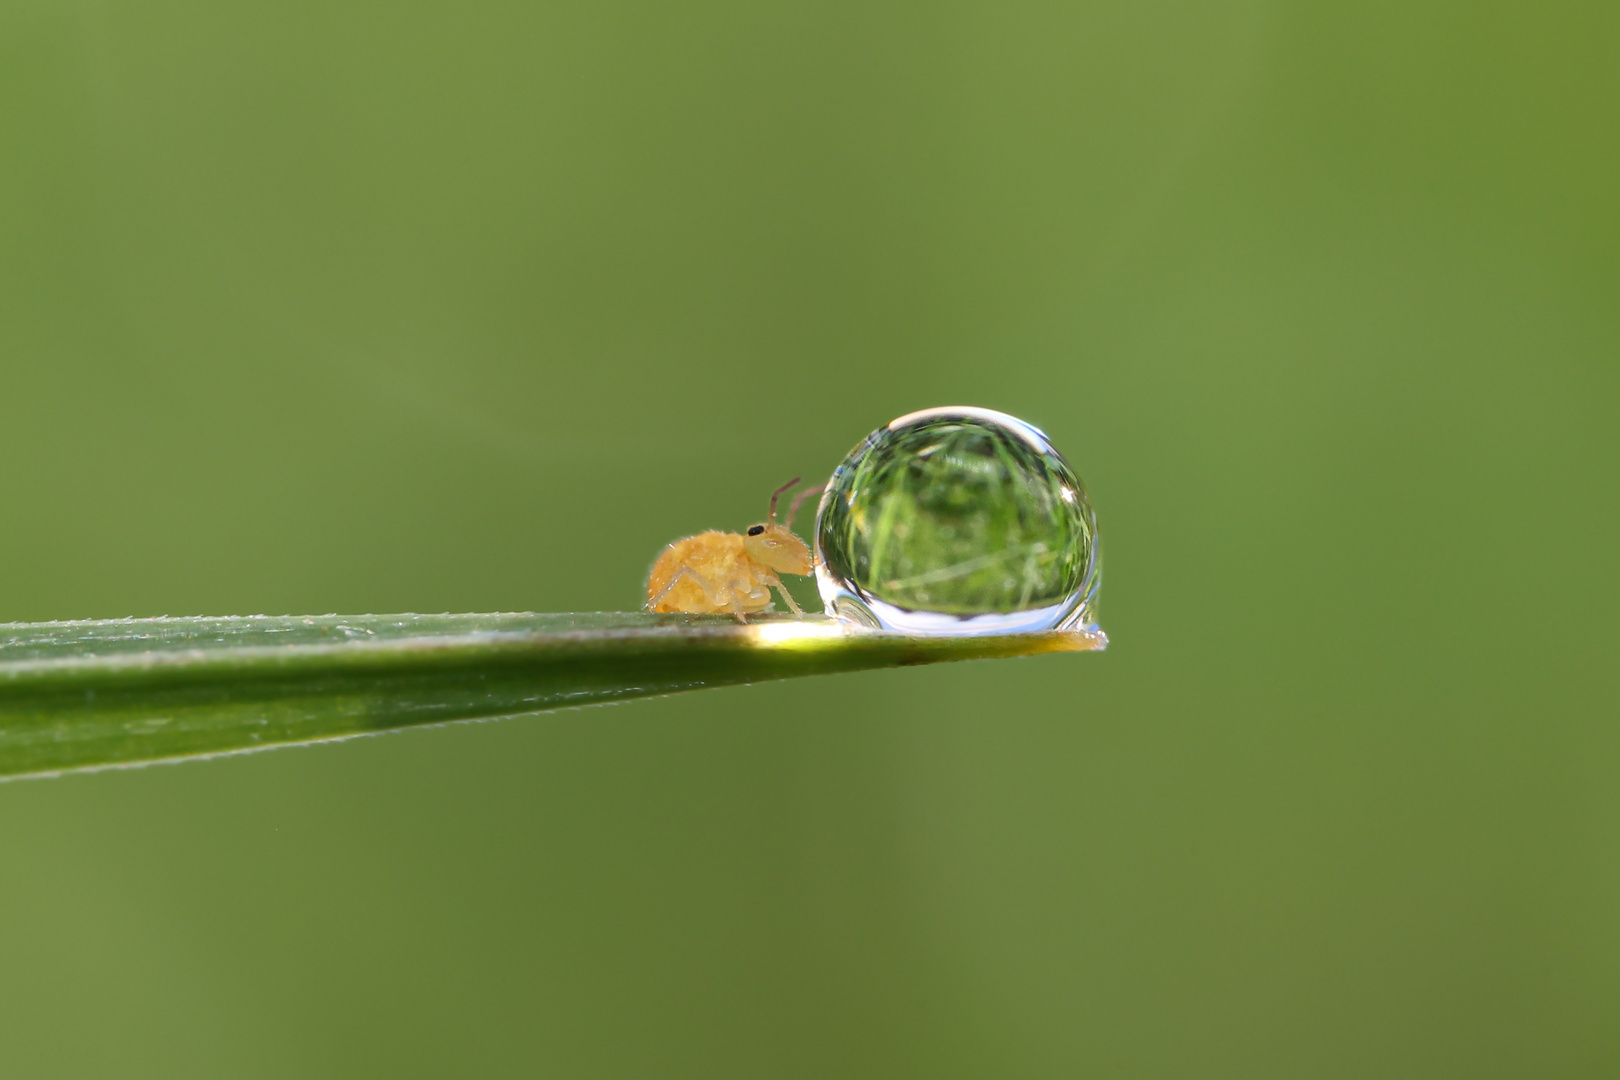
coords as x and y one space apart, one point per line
957 521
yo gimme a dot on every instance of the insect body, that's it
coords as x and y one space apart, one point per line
720 572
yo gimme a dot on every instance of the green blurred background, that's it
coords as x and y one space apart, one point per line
365 307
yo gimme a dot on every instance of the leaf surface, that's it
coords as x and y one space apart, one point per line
94 694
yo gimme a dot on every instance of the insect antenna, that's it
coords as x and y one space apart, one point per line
798 500
778 494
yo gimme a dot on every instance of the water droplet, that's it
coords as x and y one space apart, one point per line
957 521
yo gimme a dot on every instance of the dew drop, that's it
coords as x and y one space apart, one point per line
957 521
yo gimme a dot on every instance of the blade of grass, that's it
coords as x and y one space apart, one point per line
94 694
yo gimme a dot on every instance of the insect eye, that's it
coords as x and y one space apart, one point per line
755 530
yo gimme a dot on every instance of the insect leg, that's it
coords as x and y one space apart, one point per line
685 572
776 583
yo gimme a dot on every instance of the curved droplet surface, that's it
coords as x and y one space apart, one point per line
957 521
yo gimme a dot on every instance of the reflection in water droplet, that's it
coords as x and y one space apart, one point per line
957 521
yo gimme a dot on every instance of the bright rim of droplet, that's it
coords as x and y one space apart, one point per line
957 521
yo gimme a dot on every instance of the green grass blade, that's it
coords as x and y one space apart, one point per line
94 694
